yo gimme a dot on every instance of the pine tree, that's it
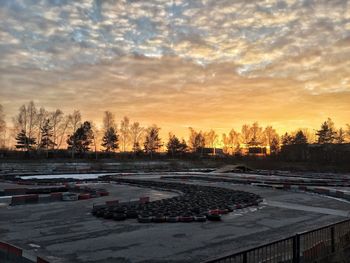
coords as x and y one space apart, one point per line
287 139
81 140
275 145
110 140
327 133
175 146
24 142
46 137
136 148
340 136
300 138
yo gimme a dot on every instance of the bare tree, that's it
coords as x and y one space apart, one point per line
74 123
245 133
231 141
95 134
211 139
310 135
196 141
136 132
20 120
109 121
41 121
255 134
2 128
75 120
347 136
25 122
269 135
226 145
32 119
56 119
62 130
124 132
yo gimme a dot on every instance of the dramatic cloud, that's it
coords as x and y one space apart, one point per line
209 63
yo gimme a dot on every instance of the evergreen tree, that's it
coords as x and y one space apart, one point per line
300 138
110 140
136 148
287 139
175 146
46 136
24 142
340 136
274 146
80 141
327 132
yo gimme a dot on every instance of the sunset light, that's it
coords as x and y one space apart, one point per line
206 64
174 131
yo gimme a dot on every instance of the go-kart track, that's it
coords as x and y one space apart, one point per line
69 232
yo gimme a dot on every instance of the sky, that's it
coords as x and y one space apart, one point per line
208 64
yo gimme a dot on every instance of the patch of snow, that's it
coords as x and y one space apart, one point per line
34 245
63 176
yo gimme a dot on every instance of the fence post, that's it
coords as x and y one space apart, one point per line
296 248
333 238
245 260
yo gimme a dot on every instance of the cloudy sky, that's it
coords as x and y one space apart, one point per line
204 63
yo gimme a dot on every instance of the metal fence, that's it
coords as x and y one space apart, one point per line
309 246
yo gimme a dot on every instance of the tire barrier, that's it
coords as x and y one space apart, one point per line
112 202
24 199
25 191
325 190
13 254
70 192
244 179
196 204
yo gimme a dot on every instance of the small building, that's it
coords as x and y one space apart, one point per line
258 151
211 151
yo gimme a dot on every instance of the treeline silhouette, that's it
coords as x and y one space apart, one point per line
36 132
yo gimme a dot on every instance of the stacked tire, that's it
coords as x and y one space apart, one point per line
197 204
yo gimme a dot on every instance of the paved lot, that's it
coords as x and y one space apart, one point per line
66 232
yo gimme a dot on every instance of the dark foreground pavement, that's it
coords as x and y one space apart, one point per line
67 232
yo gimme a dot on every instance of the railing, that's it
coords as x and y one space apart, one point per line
305 247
